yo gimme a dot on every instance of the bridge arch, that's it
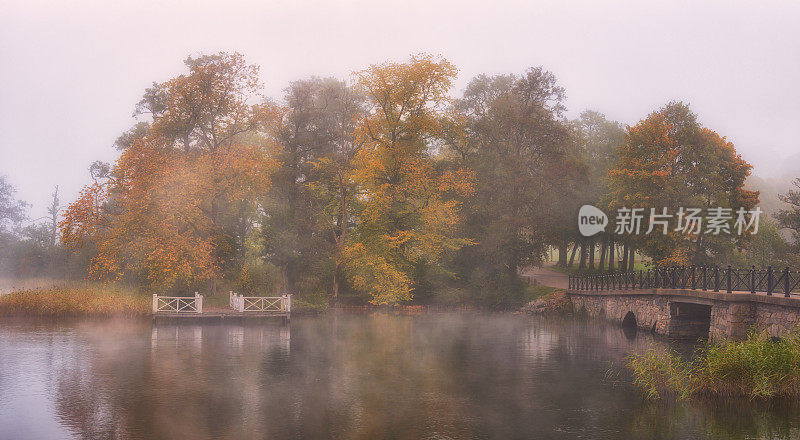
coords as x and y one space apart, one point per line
629 320
630 325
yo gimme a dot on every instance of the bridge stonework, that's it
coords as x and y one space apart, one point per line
665 311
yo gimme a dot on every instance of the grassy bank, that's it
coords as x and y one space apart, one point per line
758 367
75 299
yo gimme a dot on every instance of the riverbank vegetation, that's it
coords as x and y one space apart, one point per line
386 189
76 300
757 367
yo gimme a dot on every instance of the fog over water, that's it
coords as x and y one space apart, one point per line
430 376
73 71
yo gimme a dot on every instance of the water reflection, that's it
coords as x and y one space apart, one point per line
347 376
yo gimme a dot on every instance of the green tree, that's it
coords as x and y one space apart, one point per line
789 218
526 163
308 211
12 211
600 140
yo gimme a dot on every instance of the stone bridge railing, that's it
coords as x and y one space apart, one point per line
711 278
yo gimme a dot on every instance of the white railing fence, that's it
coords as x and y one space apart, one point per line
242 303
178 304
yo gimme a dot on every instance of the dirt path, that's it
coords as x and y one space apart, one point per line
548 277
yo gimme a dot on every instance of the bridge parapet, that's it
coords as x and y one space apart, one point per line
671 312
705 278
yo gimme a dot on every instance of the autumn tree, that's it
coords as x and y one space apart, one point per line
174 209
206 108
408 210
671 161
149 218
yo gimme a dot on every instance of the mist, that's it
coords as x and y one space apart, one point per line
74 71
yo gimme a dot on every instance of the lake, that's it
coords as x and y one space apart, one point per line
344 376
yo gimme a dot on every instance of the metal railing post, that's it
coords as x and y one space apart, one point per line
728 278
704 283
786 288
769 280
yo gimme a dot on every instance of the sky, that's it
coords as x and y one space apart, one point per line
72 72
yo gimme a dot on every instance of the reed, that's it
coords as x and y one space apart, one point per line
756 367
75 299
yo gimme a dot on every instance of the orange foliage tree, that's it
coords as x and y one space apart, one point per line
166 210
671 161
151 218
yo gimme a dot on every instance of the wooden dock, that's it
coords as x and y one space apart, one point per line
179 309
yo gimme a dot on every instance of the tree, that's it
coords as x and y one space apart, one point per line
12 211
408 211
671 161
600 140
307 215
767 248
206 108
176 207
527 166
152 218
52 211
789 218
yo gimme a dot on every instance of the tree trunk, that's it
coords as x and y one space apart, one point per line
339 241
603 248
631 253
612 253
582 265
572 256
624 263
335 293
562 253
591 253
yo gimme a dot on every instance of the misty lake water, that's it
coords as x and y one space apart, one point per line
342 376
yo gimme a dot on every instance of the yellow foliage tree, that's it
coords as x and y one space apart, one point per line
409 206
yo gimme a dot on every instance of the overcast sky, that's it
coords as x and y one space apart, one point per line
71 72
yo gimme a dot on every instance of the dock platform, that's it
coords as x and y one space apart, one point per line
241 309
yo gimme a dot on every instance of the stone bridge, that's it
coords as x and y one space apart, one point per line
690 314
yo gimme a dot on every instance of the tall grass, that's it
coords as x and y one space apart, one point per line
77 299
757 367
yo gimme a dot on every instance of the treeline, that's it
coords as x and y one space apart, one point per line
387 189
31 248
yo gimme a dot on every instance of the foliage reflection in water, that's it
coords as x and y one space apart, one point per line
348 376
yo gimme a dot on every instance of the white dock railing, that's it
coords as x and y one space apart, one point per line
260 303
178 304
